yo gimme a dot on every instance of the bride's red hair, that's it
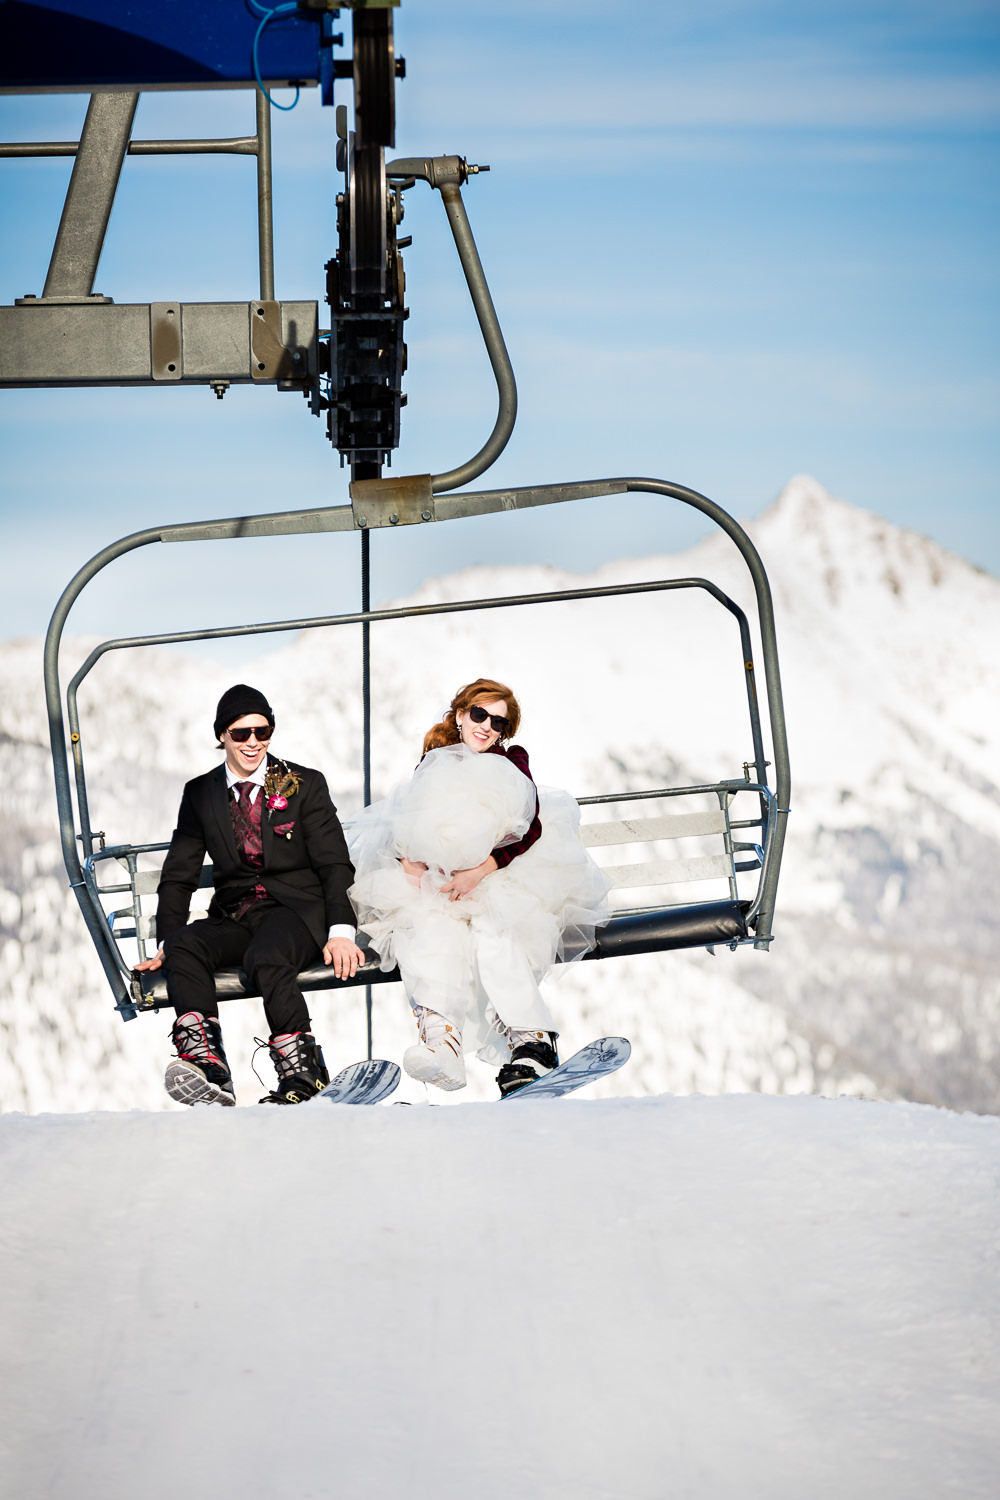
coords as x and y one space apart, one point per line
483 690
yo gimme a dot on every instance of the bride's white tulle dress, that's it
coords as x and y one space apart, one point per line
477 961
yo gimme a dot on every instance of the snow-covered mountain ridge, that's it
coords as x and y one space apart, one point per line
883 976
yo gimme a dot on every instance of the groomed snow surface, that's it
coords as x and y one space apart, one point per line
612 1299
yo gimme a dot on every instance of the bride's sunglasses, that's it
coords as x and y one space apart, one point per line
241 736
498 723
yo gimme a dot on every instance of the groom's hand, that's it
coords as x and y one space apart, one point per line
345 956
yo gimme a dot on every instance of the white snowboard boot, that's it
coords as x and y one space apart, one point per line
437 1057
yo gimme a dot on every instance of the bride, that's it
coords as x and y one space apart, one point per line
474 883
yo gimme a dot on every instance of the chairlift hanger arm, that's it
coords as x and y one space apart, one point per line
447 174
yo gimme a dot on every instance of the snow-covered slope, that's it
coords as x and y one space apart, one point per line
720 1299
883 979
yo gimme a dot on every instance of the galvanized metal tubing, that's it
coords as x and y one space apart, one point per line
447 173
503 372
91 193
236 145
265 221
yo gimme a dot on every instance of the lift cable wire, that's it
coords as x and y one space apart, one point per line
366 698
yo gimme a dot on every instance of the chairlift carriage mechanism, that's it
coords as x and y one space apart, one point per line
351 376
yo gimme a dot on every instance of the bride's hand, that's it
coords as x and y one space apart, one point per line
413 868
464 881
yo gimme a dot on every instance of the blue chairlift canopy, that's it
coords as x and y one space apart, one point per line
79 46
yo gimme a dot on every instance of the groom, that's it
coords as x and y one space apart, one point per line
281 872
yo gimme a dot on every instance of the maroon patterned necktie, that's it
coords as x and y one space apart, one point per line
246 829
246 825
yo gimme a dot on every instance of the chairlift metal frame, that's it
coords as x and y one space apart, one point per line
393 503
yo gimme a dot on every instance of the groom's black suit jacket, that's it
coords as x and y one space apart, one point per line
309 872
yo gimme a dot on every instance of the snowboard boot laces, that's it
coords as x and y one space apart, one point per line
298 1062
533 1054
437 1057
199 1074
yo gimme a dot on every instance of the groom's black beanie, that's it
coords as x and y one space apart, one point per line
238 701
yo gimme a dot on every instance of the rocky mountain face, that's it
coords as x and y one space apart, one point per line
883 976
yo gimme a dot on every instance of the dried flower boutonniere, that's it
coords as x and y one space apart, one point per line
279 784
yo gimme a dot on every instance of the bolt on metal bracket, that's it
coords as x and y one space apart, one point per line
405 500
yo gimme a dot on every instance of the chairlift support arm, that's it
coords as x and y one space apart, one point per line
447 174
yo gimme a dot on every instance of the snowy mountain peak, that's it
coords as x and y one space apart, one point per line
887 641
846 551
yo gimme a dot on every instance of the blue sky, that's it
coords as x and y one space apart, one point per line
728 241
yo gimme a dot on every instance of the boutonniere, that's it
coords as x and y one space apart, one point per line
284 830
279 784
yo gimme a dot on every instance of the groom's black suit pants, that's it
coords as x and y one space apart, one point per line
270 943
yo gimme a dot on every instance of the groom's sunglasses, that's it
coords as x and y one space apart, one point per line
498 723
241 736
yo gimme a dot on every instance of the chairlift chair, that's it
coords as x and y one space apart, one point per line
119 875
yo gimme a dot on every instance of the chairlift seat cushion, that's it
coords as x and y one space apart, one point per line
646 932
233 984
696 926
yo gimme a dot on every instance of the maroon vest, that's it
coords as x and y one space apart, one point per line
246 830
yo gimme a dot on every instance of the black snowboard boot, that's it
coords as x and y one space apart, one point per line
298 1062
199 1074
534 1054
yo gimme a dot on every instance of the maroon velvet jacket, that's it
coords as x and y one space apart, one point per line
518 758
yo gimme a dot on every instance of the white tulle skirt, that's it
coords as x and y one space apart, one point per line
477 961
